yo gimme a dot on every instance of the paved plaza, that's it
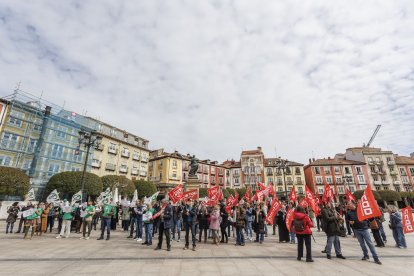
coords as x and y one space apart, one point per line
46 255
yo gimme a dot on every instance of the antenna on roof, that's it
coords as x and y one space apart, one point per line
64 102
17 86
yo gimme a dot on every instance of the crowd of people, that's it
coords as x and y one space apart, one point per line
200 223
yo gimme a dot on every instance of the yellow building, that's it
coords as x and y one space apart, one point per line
120 153
165 169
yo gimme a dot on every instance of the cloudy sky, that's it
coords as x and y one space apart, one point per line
299 78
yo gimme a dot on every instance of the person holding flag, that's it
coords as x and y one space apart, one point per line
224 223
330 226
259 223
107 212
87 215
148 223
166 223
67 215
397 227
189 221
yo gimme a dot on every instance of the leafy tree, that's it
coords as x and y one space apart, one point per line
69 183
225 193
358 194
241 192
407 194
13 182
203 192
145 188
388 195
231 191
125 186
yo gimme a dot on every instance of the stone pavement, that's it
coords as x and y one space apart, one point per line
46 255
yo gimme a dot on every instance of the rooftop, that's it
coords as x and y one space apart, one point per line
404 160
331 161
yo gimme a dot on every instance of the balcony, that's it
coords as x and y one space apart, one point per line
134 171
125 153
391 163
397 182
110 167
96 163
113 150
221 172
100 147
269 173
377 182
299 182
135 157
123 169
371 162
279 183
143 173
379 163
393 173
144 159
289 182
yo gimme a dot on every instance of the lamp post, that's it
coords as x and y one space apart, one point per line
87 140
282 166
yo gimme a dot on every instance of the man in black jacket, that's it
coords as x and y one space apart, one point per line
362 234
189 220
177 210
331 228
165 225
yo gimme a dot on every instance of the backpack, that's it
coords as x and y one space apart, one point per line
299 225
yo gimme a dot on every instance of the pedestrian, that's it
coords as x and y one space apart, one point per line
302 225
259 223
240 224
96 216
281 223
13 212
330 226
39 219
203 225
166 223
224 223
249 220
44 217
51 218
381 227
215 219
31 220
125 215
362 234
108 211
114 218
397 227
67 216
88 212
374 225
189 219
148 222
136 213
177 212
22 219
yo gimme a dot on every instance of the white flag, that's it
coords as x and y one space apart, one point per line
135 197
76 197
30 195
107 196
53 197
152 198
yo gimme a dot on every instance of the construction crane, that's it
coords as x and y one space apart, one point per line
373 136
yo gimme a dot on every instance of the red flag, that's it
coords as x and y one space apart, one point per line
303 203
292 195
289 218
349 196
327 194
209 202
368 206
176 194
311 201
159 212
236 199
191 194
272 190
215 193
247 194
407 219
261 185
273 211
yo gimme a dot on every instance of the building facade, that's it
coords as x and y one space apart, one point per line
405 169
338 173
252 165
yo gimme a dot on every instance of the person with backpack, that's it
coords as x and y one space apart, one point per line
302 225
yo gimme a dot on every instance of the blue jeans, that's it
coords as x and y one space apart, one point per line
292 236
189 227
177 224
335 241
382 232
364 237
399 236
239 236
138 222
259 237
148 233
105 222
249 229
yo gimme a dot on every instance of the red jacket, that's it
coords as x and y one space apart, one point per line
307 223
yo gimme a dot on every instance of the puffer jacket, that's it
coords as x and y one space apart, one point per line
240 217
307 223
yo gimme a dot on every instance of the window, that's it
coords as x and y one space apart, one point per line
359 170
259 179
300 190
9 140
297 170
404 179
298 180
338 179
336 169
32 145
113 132
279 180
26 164
412 171
347 170
53 169
270 180
317 170
361 179
329 179
75 169
212 179
174 174
5 160
319 179
174 164
15 118
246 170
327 170
61 132
269 171
279 189
236 180
402 171
320 191
57 151
341 190
289 189
112 146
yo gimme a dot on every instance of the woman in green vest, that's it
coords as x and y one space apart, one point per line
87 220
31 220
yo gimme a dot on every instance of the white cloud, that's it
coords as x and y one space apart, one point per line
213 77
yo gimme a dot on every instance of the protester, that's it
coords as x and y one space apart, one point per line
240 224
249 222
96 216
203 225
22 219
108 211
302 225
224 223
40 209
374 225
44 217
397 227
125 215
330 226
12 217
215 224
177 211
165 226
137 213
281 223
259 217
51 218
189 219
31 220
67 216
362 234
87 220
148 222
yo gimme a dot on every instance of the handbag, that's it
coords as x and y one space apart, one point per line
373 224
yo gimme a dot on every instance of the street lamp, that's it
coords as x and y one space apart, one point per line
87 140
282 166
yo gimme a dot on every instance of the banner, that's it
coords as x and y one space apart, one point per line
191 194
327 194
30 195
289 218
152 198
28 213
303 203
261 185
76 197
159 212
349 196
53 197
292 195
311 201
209 202
368 206
215 193
273 211
176 194
247 194
407 220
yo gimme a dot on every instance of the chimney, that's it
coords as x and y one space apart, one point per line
310 160
313 159
259 148
329 158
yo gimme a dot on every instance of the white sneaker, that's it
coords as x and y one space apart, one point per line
138 240
59 237
87 238
81 238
